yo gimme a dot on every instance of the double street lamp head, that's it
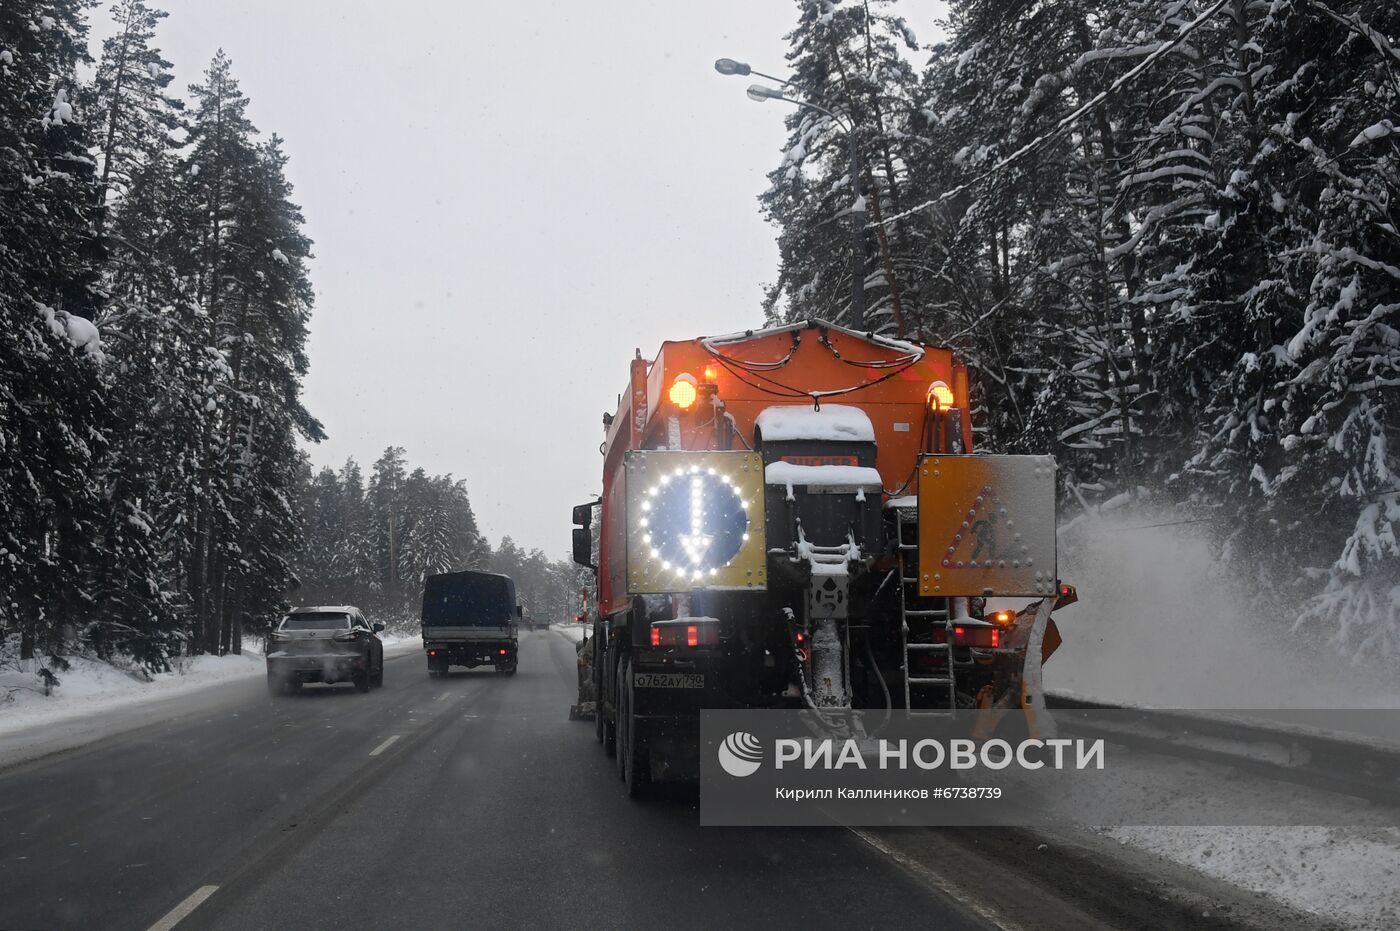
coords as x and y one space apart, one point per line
760 93
730 66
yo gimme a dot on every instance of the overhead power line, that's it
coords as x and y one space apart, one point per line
1064 125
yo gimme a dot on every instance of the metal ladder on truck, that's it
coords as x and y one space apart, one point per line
919 626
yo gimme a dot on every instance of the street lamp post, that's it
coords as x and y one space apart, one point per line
760 93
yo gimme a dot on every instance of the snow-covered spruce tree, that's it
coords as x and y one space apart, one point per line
263 332
848 59
354 558
971 255
474 552
434 530
322 507
212 179
1028 265
431 543
50 356
245 258
133 114
152 387
384 498
1335 113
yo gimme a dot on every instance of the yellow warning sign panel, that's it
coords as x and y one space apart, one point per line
986 525
695 521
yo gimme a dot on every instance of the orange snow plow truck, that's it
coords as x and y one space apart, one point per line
794 518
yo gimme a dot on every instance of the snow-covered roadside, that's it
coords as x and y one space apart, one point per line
1347 875
1341 861
1152 591
397 643
574 632
91 687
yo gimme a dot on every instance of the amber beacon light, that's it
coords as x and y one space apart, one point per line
940 396
683 392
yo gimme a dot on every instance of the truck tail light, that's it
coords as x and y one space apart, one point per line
432 652
985 638
504 651
685 633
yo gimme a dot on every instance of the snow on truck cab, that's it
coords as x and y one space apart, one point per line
794 518
470 619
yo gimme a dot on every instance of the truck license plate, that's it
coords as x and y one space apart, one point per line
668 680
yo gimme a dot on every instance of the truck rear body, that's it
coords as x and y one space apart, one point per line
469 619
760 542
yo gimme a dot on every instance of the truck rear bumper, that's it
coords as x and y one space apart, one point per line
472 653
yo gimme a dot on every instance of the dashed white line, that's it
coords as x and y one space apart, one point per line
182 911
441 697
384 746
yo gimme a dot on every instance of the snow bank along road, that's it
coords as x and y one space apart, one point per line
472 801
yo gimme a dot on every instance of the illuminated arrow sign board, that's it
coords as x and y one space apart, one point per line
986 525
694 521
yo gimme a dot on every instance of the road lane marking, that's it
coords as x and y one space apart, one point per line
384 746
441 697
182 911
937 881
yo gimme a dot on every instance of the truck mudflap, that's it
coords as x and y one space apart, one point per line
667 704
675 756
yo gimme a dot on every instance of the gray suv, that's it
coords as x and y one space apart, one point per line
332 643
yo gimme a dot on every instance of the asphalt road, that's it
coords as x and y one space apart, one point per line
462 802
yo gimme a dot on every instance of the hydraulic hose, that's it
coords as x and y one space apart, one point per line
880 677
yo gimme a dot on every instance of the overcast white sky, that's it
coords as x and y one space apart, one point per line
506 200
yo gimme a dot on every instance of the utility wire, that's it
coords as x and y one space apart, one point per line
1065 124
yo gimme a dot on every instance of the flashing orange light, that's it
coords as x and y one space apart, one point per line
711 374
1003 617
683 393
940 396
